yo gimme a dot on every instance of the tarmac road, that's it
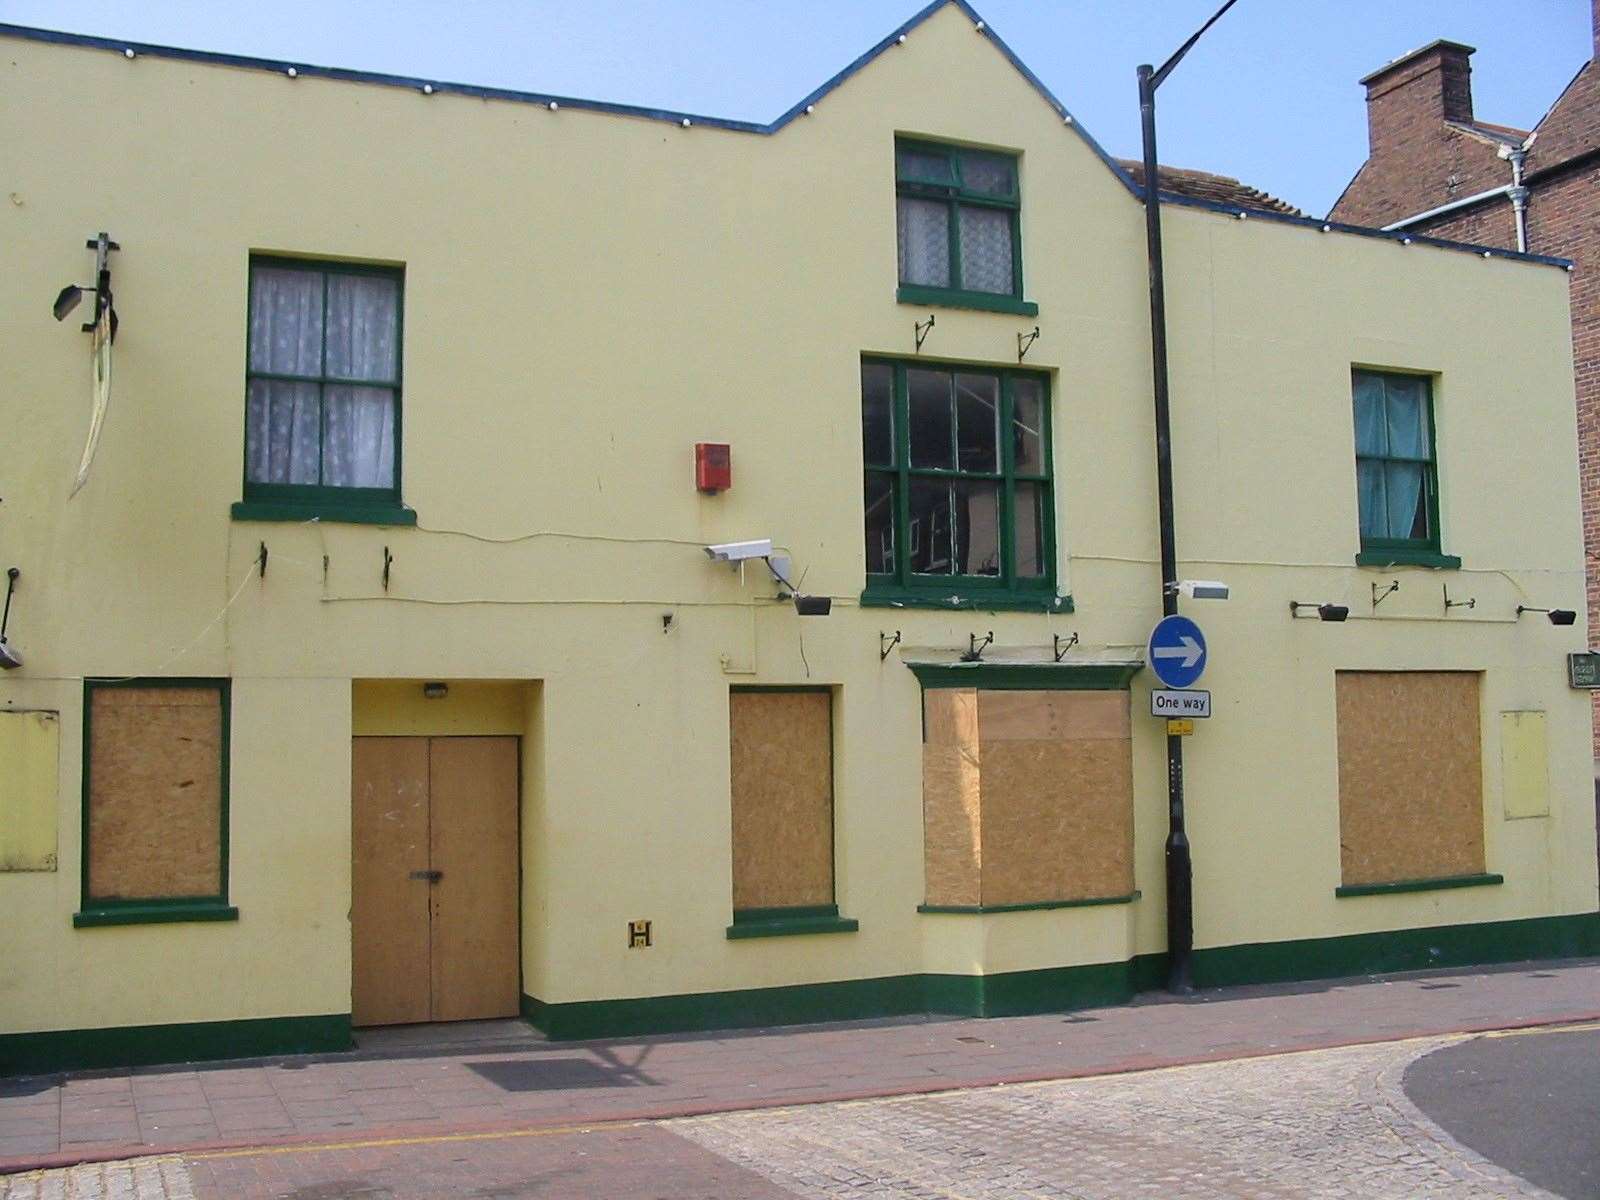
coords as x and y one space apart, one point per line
1527 1100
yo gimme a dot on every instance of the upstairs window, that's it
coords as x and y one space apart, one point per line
1397 478
958 497
958 227
322 389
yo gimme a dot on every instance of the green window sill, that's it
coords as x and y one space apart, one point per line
1417 885
1038 906
154 914
1407 558
789 922
348 514
892 597
953 298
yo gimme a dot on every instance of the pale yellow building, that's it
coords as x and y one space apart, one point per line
378 670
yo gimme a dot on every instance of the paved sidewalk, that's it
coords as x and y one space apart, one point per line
504 1076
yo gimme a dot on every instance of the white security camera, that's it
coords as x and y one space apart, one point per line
732 552
1203 589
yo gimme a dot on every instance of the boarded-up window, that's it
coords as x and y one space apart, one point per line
1410 776
1027 797
782 781
155 791
29 754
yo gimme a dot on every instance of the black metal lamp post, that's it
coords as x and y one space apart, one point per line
1180 868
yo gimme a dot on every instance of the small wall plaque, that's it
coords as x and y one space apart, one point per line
638 935
1583 670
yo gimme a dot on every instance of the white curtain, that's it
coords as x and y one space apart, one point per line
985 250
924 242
338 434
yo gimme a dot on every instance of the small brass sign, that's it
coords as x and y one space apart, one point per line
638 934
1181 728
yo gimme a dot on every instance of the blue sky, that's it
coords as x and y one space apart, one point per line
1270 95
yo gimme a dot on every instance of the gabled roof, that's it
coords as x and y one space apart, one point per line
1239 202
1572 126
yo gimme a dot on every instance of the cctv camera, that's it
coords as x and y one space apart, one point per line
1203 589
732 552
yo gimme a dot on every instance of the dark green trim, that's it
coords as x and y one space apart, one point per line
1576 936
1400 557
330 510
1008 589
1066 677
742 916
1056 989
143 1045
897 597
790 926
92 908
936 297
324 496
159 913
1060 989
1417 885
954 194
1039 906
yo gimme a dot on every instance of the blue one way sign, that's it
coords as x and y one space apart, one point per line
1177 651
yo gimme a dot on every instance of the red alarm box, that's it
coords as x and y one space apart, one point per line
713 467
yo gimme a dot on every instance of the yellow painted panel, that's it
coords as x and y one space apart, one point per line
398 708
29 750
1524 765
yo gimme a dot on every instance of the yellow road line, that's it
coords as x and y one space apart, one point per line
424 1139
1582 1027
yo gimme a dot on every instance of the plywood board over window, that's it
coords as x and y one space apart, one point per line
29 766
1410 776
1027 797
155 823
781 745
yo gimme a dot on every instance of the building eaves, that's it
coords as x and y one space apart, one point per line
800 109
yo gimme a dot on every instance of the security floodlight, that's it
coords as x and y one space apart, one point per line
813 606
1325 612
66 301
1203 589
1558 616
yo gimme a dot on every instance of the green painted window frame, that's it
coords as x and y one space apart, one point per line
1004 591
955 195
145 910
303 502
1421 552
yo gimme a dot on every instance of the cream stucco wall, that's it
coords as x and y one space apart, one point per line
587 295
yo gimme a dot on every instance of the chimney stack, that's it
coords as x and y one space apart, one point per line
1417 91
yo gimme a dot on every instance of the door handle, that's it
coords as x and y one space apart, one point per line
430 876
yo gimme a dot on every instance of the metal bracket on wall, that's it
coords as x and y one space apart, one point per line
1379 597
975 648
387 559
1025 342
261 560
1449 603
1061 647
887 643
920 328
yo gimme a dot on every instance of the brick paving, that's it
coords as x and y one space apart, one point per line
1330 1123
513 1079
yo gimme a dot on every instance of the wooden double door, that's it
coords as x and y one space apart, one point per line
434 879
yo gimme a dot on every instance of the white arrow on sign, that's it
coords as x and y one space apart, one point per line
1189 652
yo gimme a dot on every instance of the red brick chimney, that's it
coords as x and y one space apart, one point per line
1414 93
1594 22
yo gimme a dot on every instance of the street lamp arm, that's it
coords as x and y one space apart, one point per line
1165 69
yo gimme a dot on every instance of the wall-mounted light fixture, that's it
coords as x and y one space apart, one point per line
1325 612
435 690
9 658
1558 616
69 297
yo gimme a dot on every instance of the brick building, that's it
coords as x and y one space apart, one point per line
1434 168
